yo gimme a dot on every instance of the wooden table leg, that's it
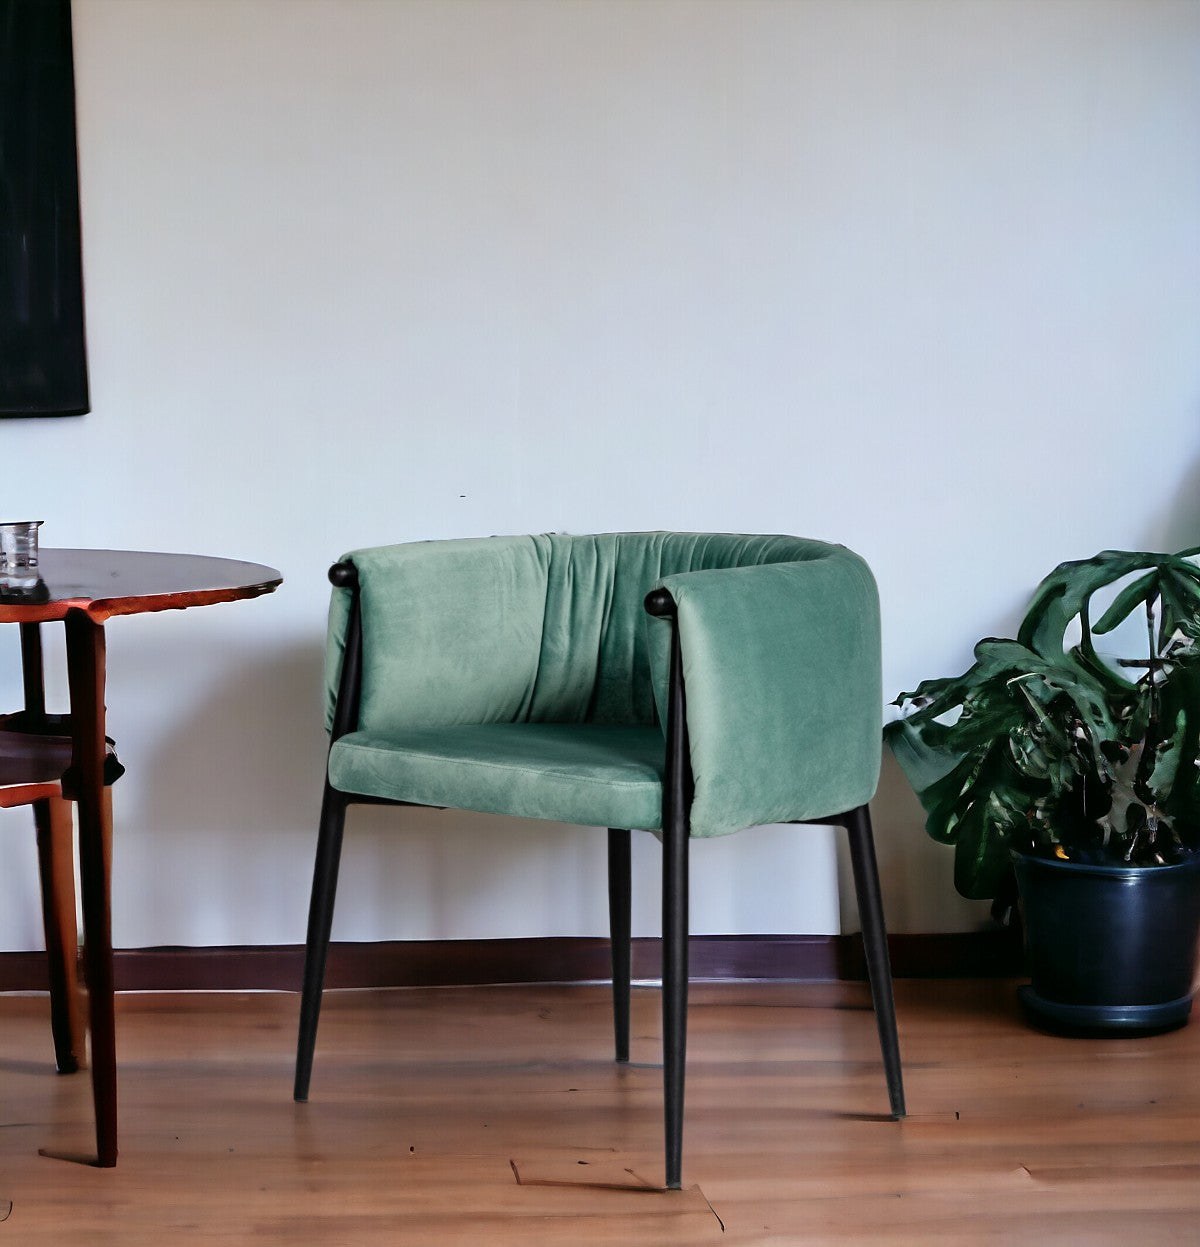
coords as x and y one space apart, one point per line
85 671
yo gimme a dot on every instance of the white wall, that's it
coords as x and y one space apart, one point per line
923 277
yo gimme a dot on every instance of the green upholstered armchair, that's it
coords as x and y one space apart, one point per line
685 684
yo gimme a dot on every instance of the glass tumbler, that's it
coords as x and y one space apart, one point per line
19 554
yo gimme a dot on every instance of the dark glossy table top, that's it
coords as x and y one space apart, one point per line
129 582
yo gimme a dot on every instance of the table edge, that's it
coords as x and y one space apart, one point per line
99 609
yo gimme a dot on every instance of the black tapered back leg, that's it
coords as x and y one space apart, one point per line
320 923
870 909
619 934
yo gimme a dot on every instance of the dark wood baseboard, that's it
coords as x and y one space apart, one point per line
444 963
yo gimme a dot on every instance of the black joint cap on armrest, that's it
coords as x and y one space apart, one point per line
343 575
659 602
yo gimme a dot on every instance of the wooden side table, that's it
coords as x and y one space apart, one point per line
82 589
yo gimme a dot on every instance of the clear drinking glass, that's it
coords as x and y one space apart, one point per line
19 554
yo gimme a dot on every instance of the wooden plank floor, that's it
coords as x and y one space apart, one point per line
491 1116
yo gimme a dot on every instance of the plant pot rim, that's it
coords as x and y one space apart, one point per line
1033 861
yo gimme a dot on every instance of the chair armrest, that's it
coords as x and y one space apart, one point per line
784 700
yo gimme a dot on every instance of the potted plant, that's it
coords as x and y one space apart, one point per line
1078 772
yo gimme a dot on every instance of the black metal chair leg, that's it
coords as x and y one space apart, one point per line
676 837
674 994
320 923
870 908
619 932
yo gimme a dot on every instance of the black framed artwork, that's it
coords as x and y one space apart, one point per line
43 362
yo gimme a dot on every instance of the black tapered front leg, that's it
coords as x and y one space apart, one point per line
674 992
320 923
676 835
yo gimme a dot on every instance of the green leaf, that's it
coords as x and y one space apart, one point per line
1144 589
1043 747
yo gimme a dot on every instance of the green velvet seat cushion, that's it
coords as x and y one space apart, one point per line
597 775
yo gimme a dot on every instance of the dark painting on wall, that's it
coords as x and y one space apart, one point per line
43 365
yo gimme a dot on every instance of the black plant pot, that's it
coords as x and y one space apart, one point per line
1109 948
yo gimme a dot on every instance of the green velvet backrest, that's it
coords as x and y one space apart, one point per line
780 639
